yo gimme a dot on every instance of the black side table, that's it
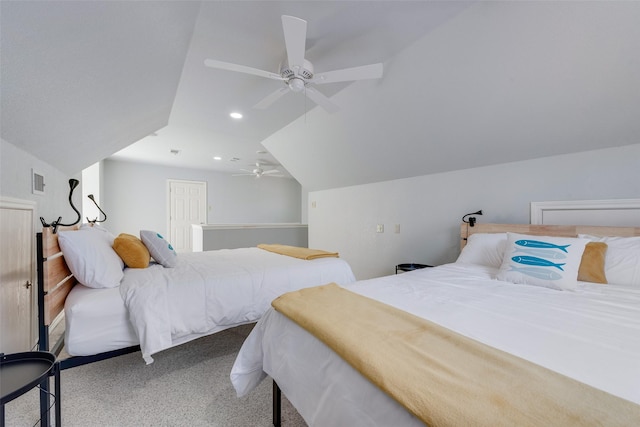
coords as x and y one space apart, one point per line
20 372
410 267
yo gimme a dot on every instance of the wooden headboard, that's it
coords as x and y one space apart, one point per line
545 230
55 281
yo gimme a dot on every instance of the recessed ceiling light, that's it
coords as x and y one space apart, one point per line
217 158
236 115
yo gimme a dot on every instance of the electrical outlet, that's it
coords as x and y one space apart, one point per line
380 228
397 230
313 204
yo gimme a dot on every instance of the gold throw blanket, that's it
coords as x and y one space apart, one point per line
442 377
297 252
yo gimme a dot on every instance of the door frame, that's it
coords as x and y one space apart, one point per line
29 205
188 181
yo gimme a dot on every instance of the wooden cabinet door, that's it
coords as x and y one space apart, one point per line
17 284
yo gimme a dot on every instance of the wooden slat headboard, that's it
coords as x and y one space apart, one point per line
57 280
545 230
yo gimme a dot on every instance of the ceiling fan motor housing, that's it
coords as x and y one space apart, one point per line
306 72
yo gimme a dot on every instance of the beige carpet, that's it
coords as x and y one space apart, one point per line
186 386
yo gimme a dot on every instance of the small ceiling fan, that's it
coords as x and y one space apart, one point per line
298 74
259 172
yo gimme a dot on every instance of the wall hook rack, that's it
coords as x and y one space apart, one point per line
73 183
94 221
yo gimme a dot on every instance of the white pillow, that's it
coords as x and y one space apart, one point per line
552 262
622 260
98 227
484 249
91 258
160 249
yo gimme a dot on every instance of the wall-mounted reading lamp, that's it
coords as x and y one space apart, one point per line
73 183
101 211
472 220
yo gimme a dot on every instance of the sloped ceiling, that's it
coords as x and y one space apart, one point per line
466 84
83 79
502 82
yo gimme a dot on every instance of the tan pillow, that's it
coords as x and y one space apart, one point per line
132 251
592 263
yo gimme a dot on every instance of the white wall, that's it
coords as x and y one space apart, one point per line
429 208
15 182
92 184
135 197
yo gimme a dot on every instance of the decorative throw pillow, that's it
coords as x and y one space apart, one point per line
622 261
132 251
592 263
484 249
552 262
91 258
159 248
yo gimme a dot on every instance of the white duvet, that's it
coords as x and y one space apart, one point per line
592 335
214 290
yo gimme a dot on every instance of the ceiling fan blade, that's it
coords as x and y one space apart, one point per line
213 63
242 174
295 39
320 99
270 171
271 98
373 71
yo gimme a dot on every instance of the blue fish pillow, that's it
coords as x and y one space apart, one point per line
159 248
552 262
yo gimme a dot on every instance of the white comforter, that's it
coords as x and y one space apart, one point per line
210 291
592 335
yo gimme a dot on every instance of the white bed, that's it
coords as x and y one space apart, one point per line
158 307
590 333
206 292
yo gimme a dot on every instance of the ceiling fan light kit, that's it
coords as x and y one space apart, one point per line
298 73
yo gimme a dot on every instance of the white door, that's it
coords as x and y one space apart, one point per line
16 276
187 205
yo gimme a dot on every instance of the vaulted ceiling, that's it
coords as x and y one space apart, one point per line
465 84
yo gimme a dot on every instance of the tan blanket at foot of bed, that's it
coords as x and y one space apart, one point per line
296 252
444 378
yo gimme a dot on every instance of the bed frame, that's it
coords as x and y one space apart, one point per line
55 281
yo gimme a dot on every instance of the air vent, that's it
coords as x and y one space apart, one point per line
38 182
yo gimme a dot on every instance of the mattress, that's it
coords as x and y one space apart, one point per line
96 321
592 335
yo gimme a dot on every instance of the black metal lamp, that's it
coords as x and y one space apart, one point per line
472 220
73 183
101 211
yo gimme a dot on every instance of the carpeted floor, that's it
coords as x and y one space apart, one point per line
186 386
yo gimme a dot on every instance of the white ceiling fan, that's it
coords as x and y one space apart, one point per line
298 74
259 172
